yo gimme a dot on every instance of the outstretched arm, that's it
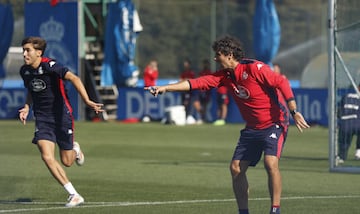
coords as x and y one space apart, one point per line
76 81
180 86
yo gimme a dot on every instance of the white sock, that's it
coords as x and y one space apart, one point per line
70 189
77 150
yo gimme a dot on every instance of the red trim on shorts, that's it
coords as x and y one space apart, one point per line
280 145
281 142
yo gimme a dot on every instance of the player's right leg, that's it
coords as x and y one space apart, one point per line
344 138
357 152
74 200
247 153
240 184
47 150
45 140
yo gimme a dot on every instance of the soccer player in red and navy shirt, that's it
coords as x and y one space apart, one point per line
44 79
264 99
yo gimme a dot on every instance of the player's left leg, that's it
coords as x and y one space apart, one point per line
69 150
274 138
69 156
274 180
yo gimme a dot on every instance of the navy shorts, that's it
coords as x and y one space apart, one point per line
62 134
253 142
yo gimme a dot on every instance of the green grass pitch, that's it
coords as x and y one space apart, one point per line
155 168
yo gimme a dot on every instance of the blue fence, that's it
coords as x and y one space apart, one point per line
135 103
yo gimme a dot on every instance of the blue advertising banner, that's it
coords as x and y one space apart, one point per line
313 104
58 25
6 22
11 100
135 103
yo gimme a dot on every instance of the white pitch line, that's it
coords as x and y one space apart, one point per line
124 204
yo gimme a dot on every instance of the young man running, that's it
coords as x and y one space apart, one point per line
44 79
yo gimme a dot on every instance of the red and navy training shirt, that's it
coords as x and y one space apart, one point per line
259 93
47 89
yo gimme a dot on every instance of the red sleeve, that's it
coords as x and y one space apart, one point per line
266 76
207 82
285 88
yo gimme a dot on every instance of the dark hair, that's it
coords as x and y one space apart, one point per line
37 42
229 45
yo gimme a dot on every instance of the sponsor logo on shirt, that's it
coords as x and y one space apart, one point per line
38 85
242 92
259 66
245 75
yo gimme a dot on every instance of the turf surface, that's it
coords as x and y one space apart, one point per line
154 168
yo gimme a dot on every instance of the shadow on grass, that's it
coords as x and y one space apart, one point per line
26 201
17 201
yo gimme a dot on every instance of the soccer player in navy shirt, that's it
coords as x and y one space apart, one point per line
264 99
349 125
44 79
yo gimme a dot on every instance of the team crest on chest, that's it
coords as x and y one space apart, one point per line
245 75
40 70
